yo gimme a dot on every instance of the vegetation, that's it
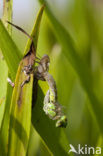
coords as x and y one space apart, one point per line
73 40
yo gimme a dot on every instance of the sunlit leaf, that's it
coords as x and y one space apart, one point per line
10 52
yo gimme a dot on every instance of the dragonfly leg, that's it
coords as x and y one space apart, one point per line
10 82
26 81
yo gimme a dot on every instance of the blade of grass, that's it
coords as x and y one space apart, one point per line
7 15
20 117
35 31
33 140
9 50
5 123
77 63
3 85
99 145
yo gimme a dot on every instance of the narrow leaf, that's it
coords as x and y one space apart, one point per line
20 118
7 15
5 123
35 31
9 50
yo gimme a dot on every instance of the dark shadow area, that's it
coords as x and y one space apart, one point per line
20 131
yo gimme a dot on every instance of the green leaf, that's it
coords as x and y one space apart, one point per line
7 15
35 31
20 116
3 85
99 144
5 123
80 67
4 107
9 50
34 142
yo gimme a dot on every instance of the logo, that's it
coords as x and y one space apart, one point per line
85 150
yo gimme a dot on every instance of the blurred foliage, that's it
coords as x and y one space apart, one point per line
84 20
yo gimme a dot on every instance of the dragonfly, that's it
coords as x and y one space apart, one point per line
51 106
